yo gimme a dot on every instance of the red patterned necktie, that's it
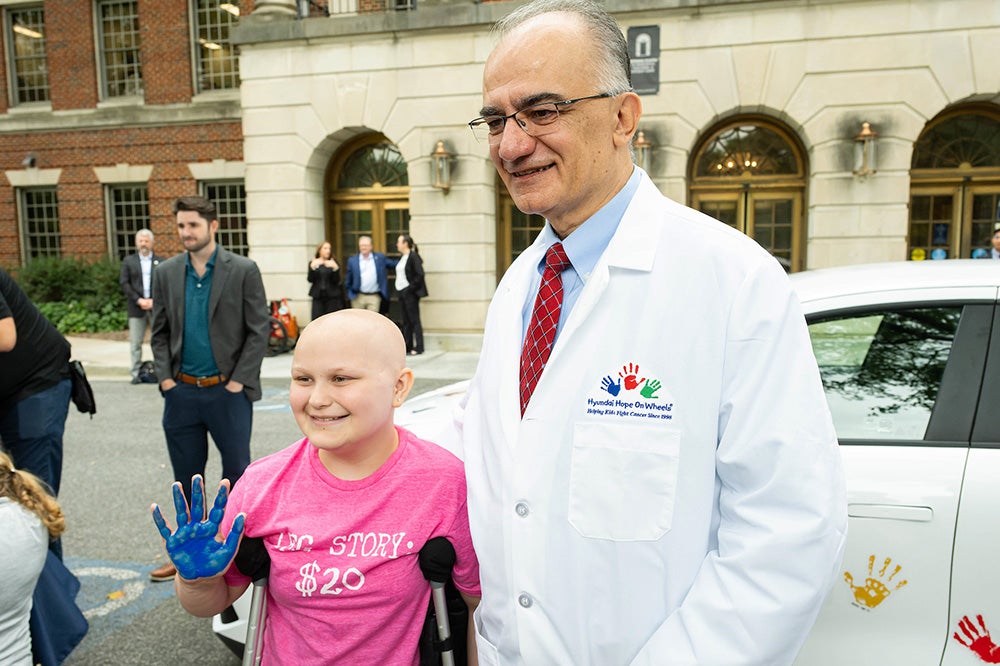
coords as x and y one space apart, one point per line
544 320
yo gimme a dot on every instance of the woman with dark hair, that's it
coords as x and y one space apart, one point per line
324 275
410 288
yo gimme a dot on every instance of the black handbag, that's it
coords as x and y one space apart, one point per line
82 394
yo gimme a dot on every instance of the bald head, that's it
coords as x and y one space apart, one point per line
348 376
373 337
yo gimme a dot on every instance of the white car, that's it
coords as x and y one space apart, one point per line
910 358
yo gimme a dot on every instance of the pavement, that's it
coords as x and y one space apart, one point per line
110 359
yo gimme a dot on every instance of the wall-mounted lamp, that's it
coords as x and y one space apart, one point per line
643 151
30 161
441 166
864 151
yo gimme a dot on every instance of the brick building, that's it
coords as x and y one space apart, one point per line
109 109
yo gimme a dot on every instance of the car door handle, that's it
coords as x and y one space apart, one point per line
920 514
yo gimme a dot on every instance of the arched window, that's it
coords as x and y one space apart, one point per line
749 172
369 195
955 184
376 165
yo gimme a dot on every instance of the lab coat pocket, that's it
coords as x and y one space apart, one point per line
488 653
623 479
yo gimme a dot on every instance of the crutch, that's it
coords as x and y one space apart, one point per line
252 560
437 558
255 623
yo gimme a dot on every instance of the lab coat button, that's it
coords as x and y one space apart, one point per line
525 600
522 509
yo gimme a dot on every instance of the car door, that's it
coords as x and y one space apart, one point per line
896 370
975 597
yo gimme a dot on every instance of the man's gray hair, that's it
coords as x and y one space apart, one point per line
144 232
614 73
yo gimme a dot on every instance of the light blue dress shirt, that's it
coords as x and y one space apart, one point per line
583 247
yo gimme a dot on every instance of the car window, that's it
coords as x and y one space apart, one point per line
882 369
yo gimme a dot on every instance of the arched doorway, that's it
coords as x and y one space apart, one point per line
955 184
368 194
749 172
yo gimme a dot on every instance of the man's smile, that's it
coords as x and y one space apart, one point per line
528 172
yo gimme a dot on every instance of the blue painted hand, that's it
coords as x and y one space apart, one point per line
194 548
611 386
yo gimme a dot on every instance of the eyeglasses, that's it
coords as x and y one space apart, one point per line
535 120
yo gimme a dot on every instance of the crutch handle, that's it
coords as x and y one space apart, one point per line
437 558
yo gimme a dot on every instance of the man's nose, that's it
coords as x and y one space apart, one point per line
514 141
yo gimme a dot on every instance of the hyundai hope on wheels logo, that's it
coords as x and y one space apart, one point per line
630 393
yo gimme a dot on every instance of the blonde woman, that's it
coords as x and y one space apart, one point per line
29 519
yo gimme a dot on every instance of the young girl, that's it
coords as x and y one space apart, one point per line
343 512
29 519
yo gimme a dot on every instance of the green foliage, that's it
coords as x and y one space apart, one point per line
73 317
76 295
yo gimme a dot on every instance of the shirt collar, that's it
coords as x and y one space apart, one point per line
210 264
589 240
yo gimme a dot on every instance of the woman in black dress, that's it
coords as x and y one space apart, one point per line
324 275
410 288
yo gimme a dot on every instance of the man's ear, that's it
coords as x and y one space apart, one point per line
403 385
629 112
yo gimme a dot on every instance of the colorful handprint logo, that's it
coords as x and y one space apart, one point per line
978 639
629 378
877 587
629 373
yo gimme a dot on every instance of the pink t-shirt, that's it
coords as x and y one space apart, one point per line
345 586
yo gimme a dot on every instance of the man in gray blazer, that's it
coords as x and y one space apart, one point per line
136 281
210 332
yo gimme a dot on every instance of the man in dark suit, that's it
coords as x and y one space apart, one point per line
366 282
210 331
137 284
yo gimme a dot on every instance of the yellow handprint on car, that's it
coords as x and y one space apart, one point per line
875 589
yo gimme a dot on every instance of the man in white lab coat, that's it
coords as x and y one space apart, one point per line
672 492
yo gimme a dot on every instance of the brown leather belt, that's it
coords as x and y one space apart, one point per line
201 382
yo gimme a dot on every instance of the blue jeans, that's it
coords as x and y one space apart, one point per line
190 414
33 433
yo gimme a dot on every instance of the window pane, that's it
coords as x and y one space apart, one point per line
40 220
118 24
930 224
747 149
129 210
397 222
378 165
26 53
230 201
724 211
985 217
217 60
882 370
970 139
523 230
353 225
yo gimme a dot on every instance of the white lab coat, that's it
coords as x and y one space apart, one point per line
701 525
